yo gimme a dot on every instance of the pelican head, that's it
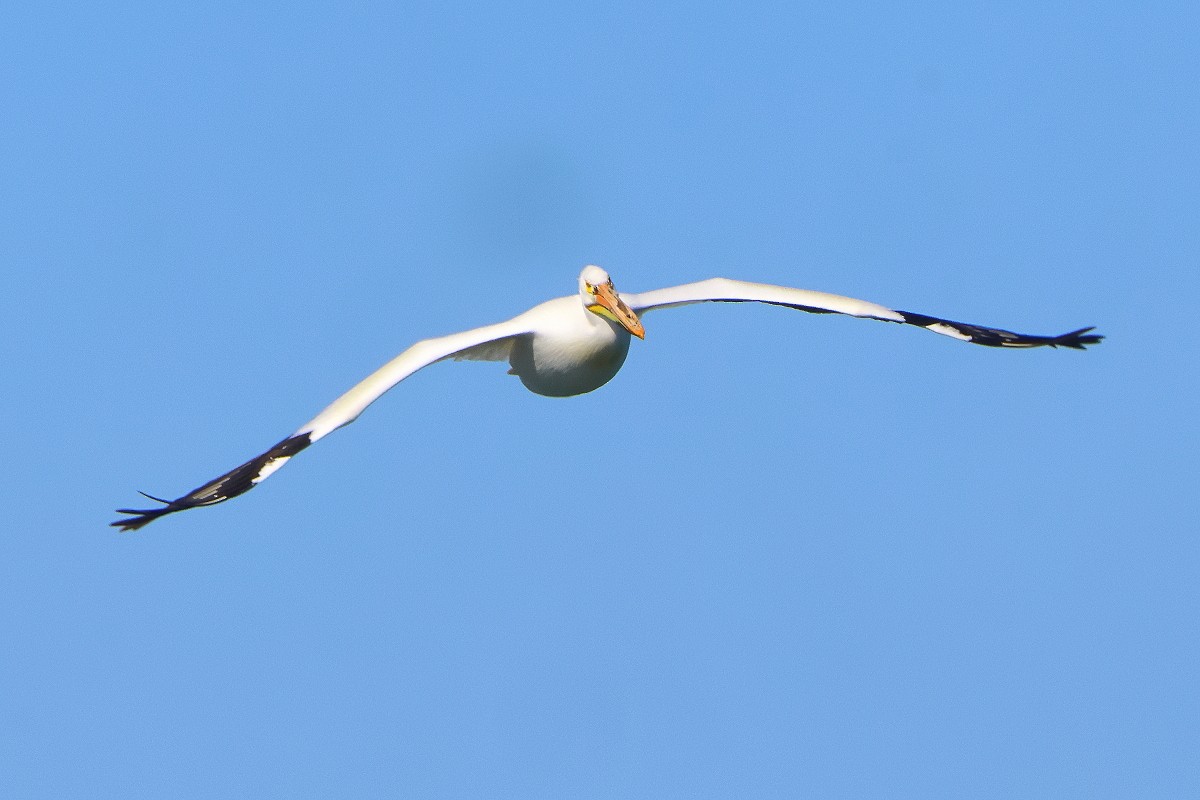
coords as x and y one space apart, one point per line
600 297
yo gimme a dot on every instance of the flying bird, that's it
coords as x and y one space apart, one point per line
563 347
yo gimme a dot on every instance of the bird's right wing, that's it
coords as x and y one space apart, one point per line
491 342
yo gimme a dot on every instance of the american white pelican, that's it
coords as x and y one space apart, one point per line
563 347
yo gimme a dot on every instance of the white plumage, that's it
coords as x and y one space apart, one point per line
567 346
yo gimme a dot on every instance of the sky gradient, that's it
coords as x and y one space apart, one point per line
780 555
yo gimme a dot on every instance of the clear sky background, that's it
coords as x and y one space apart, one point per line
780 555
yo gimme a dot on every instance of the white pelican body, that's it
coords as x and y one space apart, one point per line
567 346
572 352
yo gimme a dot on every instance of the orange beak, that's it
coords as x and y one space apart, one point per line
610 306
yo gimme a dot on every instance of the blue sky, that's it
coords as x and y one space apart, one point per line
780 555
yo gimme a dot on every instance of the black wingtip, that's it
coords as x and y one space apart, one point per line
997 337
1077 340
141 516
237 481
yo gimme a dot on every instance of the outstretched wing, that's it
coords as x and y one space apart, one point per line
724 290
490 343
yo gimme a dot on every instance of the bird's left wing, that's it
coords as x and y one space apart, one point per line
491 343
725 290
